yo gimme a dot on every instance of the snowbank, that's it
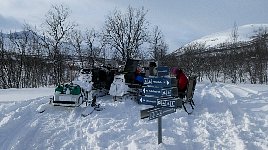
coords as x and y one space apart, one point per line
227 116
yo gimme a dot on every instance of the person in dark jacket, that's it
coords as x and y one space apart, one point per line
182 81
139 79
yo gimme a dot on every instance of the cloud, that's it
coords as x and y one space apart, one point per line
9 24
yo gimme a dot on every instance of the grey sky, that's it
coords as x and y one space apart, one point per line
181 21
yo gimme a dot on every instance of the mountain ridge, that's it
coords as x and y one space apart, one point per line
245 33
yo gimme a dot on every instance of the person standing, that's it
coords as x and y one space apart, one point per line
139 79
182 81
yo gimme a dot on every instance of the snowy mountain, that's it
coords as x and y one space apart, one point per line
244 34
227 116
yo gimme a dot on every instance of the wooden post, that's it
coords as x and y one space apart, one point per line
159 130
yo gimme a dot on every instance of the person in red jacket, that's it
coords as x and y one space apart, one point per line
182 81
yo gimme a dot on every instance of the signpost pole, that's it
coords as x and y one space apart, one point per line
159 130
159 92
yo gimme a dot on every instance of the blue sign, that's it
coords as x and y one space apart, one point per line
162 71
147 100
159 112
164 102
168 102
159 92
162 74
160 82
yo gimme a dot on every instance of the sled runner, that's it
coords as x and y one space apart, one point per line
188 95
91 108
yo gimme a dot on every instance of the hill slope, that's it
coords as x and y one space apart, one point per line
244 33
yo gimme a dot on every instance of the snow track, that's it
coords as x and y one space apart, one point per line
226 116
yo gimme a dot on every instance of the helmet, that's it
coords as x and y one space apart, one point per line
175 70
139 69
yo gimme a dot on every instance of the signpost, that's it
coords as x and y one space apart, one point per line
169 102
162 71
160 111
159 92
160 82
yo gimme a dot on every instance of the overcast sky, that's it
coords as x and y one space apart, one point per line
181 21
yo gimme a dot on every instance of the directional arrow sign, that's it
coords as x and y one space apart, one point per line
159 92
147 100
160 111
160 82
170 102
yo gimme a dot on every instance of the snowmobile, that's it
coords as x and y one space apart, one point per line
124 85
68 95
118 88
74 93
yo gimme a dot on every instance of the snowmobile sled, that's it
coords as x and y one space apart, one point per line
133 70
118 88
187 100
70 95
75 93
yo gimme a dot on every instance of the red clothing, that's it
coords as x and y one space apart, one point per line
182 82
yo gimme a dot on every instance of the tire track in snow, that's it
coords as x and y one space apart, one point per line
197 131
200 133
20 124
60 124
232 114
215 128
185 125
64 127
238 100
247 101
192 133
241 91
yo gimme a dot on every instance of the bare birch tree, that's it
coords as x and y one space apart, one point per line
158 47
125 33
57 29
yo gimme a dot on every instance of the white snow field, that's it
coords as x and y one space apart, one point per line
227 116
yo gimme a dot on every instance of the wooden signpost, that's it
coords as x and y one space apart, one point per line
159 92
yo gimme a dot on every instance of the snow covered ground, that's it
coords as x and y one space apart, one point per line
227 116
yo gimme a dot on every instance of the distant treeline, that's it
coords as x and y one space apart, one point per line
23 64
55 54
236 62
